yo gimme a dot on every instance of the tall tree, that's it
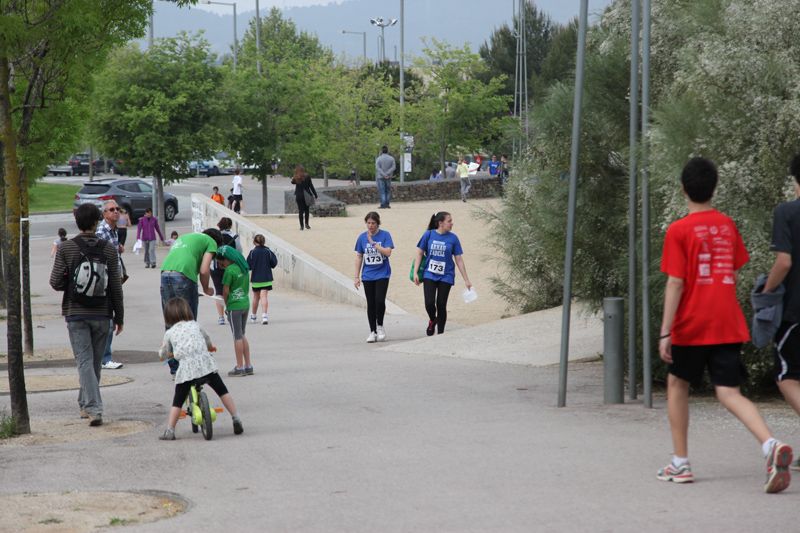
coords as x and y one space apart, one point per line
42 63
157 110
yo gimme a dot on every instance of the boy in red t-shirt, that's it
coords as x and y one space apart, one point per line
703 325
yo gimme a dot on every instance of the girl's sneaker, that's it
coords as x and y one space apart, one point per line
248 371
169 434
236 372
778 461
237 426
372 337
253 319
221 321
264 319
381 334
676 474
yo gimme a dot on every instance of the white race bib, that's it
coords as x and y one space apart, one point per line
436 267
372 257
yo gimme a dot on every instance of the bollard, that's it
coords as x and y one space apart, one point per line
613 361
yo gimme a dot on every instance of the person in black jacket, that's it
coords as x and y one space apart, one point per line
303 191
261 261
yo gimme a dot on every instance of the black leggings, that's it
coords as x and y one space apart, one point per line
302 210
436 293
213 380
376 301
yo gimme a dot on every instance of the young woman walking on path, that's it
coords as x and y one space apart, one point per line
261 261
443 251
373 248
303 191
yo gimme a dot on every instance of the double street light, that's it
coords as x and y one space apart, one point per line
363 35
382 24
235 33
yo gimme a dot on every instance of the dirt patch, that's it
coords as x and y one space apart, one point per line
85 511
47 354
57 382
63 430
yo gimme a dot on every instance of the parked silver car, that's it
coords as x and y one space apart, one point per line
133 195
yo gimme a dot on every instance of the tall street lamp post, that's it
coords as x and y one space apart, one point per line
363 35
382 24
235 34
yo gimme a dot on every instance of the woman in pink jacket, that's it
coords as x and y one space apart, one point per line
146 231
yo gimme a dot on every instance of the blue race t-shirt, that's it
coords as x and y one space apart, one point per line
375 265
493 167
440 250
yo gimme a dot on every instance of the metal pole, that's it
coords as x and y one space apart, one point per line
383 44
258 40
402 85
364 39
647 377
573 190
150 31
235 38
634 131
613 358
524 38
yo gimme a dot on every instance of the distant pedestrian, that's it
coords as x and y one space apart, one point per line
463 173
88 307
373 249
187 342
229 238
238 192
704 327
504 169
261 261
436 175
494 166
216 196
449 171
122 226
304 194
236 294
385 166
172 238
146 231
443 251
62 236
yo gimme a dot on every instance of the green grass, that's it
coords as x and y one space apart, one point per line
8 426
120 521
51 197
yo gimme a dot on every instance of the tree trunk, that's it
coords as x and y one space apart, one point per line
25 252
2 233
264 197
162 222
16 374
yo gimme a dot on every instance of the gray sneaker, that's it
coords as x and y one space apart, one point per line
237 372
169 434
237 427
248 371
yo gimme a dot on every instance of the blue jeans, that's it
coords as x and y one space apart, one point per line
88 340
385 191
176 285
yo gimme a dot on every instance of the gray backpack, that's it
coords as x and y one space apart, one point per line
89 280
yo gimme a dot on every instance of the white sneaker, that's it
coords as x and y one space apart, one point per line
381 334
253 319
111 365
264 319
221 321
372 337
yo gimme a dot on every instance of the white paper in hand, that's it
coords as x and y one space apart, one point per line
137 246
470 295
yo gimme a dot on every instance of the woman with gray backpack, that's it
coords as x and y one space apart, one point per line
261 261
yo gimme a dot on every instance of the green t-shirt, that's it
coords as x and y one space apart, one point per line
238 288
187 253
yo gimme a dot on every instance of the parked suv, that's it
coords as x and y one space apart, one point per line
80 164
133 195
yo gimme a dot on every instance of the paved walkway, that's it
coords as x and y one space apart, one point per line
345 436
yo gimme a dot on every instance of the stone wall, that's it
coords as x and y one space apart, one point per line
333 201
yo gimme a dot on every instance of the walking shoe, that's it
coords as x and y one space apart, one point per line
676 474
253 319
264 320
236 372
153 266
431 328
373 337
111 365
778 461
169 434
84 414
237 426
96 420
381 334
248 371
308 227
146 265
221 321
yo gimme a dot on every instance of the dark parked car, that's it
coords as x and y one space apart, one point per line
133 195
80 164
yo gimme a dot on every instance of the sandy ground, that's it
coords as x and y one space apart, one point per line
43 354
45 431
85 511
332 240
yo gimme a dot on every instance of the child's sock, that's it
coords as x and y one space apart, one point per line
678 462
766 446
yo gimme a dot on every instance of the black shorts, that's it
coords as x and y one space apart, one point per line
787 352
213 380
237 197
723 361
259 289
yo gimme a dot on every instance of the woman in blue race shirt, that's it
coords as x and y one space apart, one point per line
373 248
443 251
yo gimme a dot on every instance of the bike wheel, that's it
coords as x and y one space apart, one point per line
206 427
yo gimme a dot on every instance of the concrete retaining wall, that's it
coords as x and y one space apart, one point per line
296 268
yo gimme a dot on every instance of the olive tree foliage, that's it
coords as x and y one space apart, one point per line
44 68
725 85
457 112
159 109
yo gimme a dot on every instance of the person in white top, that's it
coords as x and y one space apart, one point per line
238 203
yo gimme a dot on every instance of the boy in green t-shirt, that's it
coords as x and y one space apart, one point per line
235 290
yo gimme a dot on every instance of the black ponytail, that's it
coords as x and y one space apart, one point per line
436 219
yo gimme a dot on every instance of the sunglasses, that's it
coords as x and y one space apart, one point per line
112 209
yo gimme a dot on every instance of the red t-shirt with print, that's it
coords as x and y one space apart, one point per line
705 250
